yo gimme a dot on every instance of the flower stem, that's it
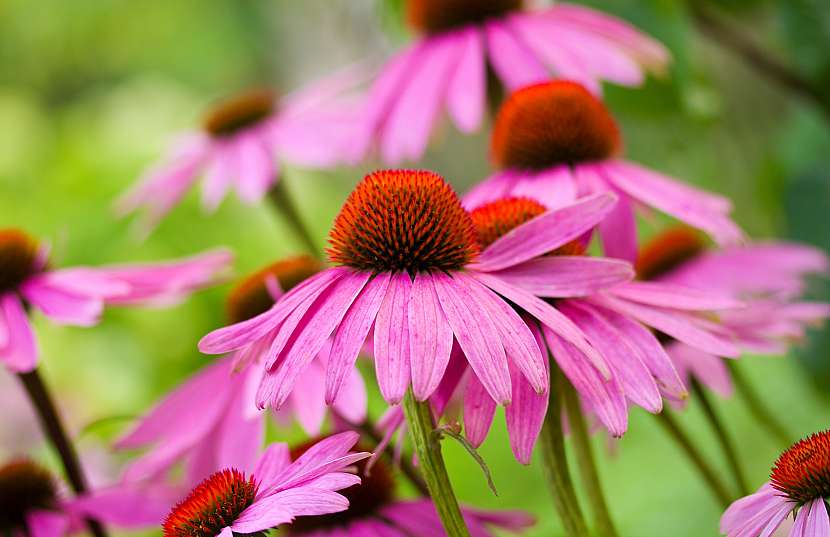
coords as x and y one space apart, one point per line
581 443
428 448
726 444
760 60
55 431
716 486
756 406
555 463
282 202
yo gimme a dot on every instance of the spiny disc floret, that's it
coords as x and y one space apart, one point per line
18 258
553 123
237 113
215 504
803 471
398 220
433 16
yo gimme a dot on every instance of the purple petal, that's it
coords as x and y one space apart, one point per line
679 297
567 276
218 177
479 409
430 338
256 170
546 233
352 332
708 369
476 334
619 231
391 340
525 417
818 524
62 306
19 351
513 61
129 506
468 86
46 524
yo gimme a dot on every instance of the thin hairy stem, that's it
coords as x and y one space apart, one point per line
282 202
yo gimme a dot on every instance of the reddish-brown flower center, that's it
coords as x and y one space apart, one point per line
18 258
24 486
803 471
232 115
215 504
495 219
667 251
432 16
553 123
251 296
398 220
375 490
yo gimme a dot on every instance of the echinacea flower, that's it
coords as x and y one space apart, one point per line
461 40
242 500
375 510
768 277
211 420
798 490
555 142
31 503
77 296
242 144
410 270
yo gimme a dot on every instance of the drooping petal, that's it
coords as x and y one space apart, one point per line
567 276
493 188
127 505
241 334
479 409
706 368
430 338
545 233
634 376
476 334
256 171
525 416
391 340
352 332
679 297
62 306
511 59
42 523
752 511
308 403
218 177
19 351
619 231
468 86
818 524
605 397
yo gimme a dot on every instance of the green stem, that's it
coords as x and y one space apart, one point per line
756 406
581 442
716 486
555 463
726 444
428 448
52 425
284 205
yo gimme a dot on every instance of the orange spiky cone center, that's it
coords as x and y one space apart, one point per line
803 471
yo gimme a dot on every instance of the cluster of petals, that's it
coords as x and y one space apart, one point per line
447 69
312 128
77 296
768 511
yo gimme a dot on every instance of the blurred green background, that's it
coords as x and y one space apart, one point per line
91 90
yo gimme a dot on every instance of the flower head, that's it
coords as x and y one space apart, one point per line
553 123
799 486
461 41
555 141
77 296
25 487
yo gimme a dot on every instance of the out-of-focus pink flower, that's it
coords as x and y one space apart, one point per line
77 296
796 494
211 420
769 278
446 67
242 144
271 492
556 142
413 275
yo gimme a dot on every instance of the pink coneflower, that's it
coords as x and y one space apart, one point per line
798 487
77 296
270 492
460 40
241 145
411 271
555 142
768 277
375 510
31 503
211 420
